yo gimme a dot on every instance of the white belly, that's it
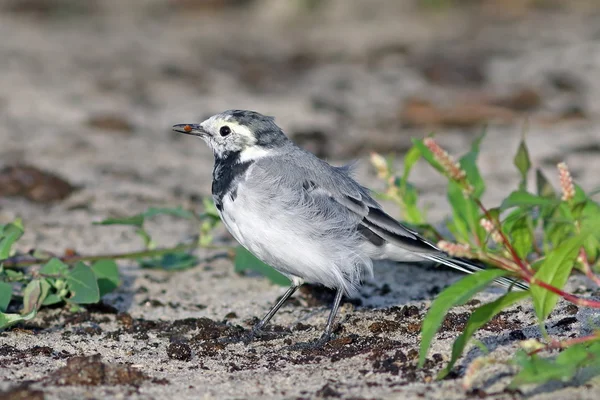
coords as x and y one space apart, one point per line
293 244
256 231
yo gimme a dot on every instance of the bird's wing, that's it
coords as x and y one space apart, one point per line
374 223
334 190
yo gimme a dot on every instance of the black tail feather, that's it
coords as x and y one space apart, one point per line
469 267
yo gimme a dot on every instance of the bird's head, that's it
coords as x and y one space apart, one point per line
248 134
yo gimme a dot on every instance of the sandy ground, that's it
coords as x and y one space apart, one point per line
89 93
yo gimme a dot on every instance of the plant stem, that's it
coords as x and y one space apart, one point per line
524 266
502 262
557 344
587 268
527 273
17 262
571 298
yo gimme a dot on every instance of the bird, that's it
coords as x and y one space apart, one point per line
311 221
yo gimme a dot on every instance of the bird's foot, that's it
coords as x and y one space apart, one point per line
316 344
323 340
255 333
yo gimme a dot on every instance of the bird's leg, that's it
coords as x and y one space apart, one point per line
256 329
329 327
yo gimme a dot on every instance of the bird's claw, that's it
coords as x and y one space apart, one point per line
317 344
254 333
323 340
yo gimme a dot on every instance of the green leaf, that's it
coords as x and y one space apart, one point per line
459 219
428 155
244 261
592 248
46 288
578 208
411 213
146 238
52 299
563 367
107 274
523 163
468 163
7 320
521 198
457 294
480 317
82 284
134 220
173 211
14 276
465 214
31 295
555 270
590 215
54 268
10 234
410 159
34 295
513 217
171 261
521 234
494 213
5 295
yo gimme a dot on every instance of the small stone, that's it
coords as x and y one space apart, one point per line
517 335
179 351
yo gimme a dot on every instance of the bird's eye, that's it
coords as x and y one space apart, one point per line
225 130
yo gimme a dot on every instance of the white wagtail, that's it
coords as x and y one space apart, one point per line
309 220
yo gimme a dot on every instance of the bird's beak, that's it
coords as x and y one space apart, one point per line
190 129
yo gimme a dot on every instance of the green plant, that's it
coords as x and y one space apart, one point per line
540 237
54 283
77 280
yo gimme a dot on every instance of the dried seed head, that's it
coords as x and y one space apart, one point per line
487 225
451 167
490 228
566 182
380 165
454 249
473 368
530 345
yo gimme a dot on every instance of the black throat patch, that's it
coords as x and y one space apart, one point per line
226 173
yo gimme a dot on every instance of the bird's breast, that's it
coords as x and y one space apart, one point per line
239 215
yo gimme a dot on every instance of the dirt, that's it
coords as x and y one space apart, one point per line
91 371
90 92
112 123
33 184
22 393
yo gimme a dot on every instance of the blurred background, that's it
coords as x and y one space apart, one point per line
89 90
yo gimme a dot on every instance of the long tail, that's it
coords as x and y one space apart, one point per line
469 268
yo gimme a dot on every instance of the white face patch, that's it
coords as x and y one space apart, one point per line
240 139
